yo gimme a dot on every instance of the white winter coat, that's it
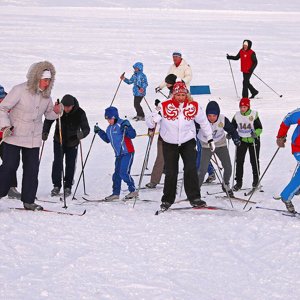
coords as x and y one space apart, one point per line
24 107
183 71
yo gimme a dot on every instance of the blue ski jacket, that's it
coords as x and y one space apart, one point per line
114 135
139 80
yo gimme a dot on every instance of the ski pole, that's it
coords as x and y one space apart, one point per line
87 156
267 85
145 163
223 182
62 158
43 144
117 90
163 94
253 191
83 179
147 104
233 78
234 166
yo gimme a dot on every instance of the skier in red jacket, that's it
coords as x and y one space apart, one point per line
248 64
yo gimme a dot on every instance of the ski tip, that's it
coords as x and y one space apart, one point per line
84 212
156 213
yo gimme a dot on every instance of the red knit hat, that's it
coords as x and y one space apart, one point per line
179 87
245 102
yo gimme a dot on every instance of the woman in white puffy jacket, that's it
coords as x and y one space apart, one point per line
177 117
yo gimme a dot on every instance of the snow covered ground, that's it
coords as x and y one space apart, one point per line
119 252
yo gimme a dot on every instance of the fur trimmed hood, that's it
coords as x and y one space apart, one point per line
34 75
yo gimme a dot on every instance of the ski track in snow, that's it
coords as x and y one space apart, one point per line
119 252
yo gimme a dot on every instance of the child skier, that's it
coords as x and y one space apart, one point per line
249 129
219 124
293 188
119 133
140 83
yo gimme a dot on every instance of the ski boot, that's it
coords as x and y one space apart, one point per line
227 190
289 206
165 205
13 193
55 191
198 203
32 206
211 178
132 195
237 186
151 185
112 197
67 192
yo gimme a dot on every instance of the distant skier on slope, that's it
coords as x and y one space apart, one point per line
293 187
248 64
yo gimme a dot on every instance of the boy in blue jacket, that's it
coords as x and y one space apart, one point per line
140 83
119 133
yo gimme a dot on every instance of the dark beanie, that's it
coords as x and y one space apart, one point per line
68 100
212 108
2 92
171 79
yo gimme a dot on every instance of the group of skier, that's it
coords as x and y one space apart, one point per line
180 119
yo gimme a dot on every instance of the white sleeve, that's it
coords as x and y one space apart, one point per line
49 113
201 119
152 119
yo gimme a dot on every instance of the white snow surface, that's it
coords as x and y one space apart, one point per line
116 251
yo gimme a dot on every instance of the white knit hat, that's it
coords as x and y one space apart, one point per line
46 74
245 43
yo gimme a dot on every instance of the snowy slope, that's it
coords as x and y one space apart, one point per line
119 252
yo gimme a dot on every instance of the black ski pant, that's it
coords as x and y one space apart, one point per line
8 169
14 182
138 107
70 154
188 153
247 86
240 159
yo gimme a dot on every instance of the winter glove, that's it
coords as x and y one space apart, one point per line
212 145
157 101
281 142
254 135
157 89
228 136
45 136
237 142
124 125
80 135
227 56
6 132
122 77
96 128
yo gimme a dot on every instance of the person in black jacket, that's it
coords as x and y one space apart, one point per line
248 64
74 127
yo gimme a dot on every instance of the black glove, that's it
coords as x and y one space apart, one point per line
237 142
157 101
96 128
80 135
227 56
254 135
228 136
157 89
44 136
124 125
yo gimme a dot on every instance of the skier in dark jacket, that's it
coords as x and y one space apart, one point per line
248 64
74 127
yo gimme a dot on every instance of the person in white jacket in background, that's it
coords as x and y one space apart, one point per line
21 123
177 117
181 69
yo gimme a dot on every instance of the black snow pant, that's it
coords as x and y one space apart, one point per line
138 107
70 154
240 159
188 153
247 86
14 182
8 169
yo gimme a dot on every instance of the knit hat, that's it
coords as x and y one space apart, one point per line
68 100
171 79
46 74
2 92
179 87
245 102
111 113
177 53
212 108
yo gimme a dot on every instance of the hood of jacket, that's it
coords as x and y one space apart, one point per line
139 66
249 44
34 75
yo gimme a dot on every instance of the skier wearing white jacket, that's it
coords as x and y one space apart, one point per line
181 69
177 117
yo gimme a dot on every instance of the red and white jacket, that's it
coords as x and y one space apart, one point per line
177 121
